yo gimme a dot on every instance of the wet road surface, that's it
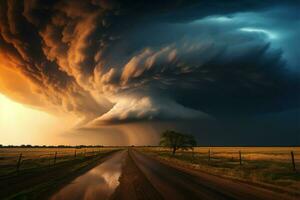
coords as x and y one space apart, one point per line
176 184
98 183
133 175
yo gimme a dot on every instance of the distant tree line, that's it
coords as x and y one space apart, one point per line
50 146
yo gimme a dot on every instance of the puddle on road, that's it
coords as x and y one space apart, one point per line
98 183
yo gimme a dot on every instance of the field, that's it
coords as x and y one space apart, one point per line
38 173
269 167
14 160
35 172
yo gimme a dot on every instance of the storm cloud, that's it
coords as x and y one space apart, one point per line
114 62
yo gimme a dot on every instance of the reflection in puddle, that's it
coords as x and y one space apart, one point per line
98 183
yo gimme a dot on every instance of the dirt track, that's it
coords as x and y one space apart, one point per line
176 184
140 177
43 182
134 185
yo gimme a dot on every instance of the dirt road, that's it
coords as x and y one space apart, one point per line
98 183
39 183
173 183
132 175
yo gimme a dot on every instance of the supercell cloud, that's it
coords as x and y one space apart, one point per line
118 62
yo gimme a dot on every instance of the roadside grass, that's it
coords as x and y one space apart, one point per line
37 179
35 158
260 167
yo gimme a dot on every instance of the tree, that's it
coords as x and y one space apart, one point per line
176 140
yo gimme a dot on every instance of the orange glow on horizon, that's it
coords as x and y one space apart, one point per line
23 125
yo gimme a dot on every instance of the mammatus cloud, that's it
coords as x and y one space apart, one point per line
118 62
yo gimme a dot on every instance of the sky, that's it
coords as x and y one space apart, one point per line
121 72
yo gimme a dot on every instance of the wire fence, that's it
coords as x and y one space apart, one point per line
14 160
277 167
287 156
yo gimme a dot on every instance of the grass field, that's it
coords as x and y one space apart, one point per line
33 158
271 166
40 173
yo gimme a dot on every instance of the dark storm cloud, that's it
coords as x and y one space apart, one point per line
22 42
121 61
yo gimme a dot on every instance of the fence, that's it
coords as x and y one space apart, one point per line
233 156
13 160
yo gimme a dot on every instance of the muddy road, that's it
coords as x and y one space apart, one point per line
178 184
131 175
98 183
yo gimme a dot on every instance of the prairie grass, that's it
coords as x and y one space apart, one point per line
33 158
266 165
38 176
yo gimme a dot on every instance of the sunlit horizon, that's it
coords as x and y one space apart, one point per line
20 124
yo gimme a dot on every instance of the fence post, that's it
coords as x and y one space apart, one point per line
55 157
240 155
75 153
193 156
50 159
293 161
208 154
19 162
